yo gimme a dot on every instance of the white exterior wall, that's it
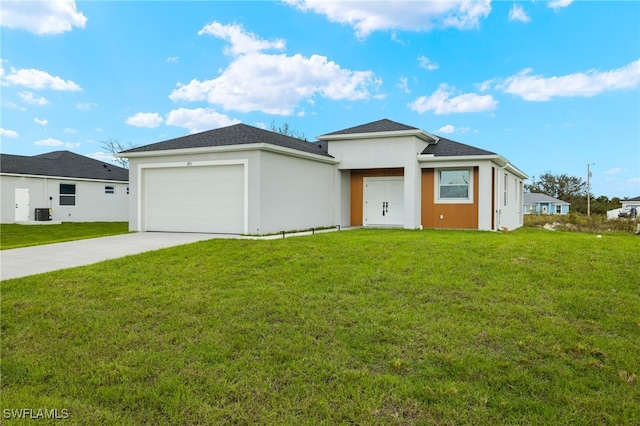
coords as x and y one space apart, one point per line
385 152
136 180
284 192
92 203
295 194
510 216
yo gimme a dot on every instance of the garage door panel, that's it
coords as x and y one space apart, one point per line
195 199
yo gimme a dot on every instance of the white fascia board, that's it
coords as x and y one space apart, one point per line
420 134
230 148
498 159
63 178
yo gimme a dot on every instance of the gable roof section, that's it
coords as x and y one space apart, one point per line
62 164
379 126
237 134
632 199
536 197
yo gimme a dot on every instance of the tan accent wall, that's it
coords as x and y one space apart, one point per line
357 189
462 216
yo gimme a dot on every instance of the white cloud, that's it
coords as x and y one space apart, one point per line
403 85
29 98
557 4
447 129
241 41
37 79
367 17
427 63
441 102
517 13
103 156
8 133
42 17
69 130
591 83
56 143
41 121
145 119
85 105
272 83
173 59
198 119
613 171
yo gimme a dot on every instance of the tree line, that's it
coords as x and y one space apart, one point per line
573 190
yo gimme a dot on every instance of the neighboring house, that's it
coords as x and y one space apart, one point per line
244 180
74 187
631 202
536 203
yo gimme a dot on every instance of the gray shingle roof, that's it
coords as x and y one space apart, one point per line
237 134
633 199
62 164
383 125
536 197
448 148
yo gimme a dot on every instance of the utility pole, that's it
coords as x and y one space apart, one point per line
589 189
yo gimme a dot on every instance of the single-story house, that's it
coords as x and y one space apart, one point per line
245 180
631 202
76 188
536 203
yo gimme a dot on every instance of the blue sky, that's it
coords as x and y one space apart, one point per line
550 85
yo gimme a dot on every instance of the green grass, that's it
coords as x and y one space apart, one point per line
14 236
370 327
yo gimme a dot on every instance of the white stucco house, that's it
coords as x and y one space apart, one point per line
244 180
76 188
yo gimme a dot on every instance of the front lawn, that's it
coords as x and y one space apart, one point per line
14 236
354 327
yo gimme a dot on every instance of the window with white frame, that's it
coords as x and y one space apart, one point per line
109 189
454 184
558 209
67 194
506 188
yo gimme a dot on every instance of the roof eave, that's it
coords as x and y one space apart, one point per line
230 148
84 179
498 159
420 134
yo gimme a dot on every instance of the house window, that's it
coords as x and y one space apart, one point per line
558 209
109 189
506 188
454 184
67 194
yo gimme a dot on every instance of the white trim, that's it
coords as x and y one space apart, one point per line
436 190
244 163
420 134
498 159
231 148
63 178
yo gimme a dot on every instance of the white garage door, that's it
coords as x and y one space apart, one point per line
195 199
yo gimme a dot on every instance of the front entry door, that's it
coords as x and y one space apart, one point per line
22 204
384 201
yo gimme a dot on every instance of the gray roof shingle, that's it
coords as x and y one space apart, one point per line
536 197
237 134
62 164
448 148
383 125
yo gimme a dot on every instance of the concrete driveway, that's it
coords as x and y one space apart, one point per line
21 262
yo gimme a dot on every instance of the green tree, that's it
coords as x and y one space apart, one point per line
563 187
